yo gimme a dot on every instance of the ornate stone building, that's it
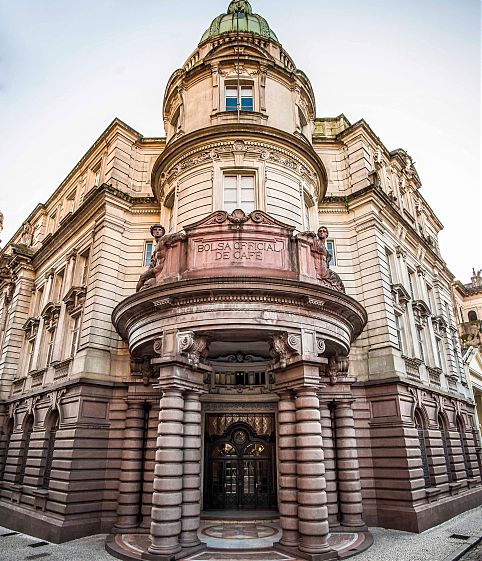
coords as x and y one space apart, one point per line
468 306
291 344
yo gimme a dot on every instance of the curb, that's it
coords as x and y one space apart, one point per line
468 545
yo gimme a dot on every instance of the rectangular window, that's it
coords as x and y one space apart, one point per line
330 247
148 254
411 277
391 266
75 336
431 300
50 347
239 97
307 217
31 348
420 342
399 327
239 193
440 353
84 264
56 293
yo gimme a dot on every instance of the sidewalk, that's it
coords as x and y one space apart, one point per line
435 544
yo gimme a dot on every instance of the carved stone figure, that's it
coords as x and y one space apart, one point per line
322 261
157 232
27 234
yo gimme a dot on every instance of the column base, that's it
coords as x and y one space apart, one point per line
342 529
295 552
185 552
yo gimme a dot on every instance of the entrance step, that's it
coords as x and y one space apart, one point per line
241 516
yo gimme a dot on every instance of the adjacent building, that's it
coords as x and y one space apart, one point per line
292 345
468 306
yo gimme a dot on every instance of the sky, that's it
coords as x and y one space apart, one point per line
411 69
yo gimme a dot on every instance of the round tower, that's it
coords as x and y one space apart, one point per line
239 118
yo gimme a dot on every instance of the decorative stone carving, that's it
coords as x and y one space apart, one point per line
51 314
337 367
264 151
400 252
320 346
157 232
75 299
322 258
412 366
157 346
285 346
31 328
26 237
401 296
192 346
421 311
240 358
434 374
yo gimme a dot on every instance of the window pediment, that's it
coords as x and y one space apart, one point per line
31 327
74 300
402 297
50 315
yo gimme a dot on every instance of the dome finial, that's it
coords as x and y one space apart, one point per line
237 6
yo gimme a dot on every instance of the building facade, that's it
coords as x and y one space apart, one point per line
468 306
286 341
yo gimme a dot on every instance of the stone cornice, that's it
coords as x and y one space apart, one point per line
208 139
372 190
238 290
93 201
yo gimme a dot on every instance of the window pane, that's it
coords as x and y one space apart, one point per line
231 98
231 104
247 104
247 181
148 254
330 247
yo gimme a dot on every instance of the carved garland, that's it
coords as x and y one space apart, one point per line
266 152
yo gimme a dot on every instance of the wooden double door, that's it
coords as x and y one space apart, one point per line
239 471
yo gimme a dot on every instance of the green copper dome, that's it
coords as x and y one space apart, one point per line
240 18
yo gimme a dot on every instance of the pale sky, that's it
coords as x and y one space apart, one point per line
411 69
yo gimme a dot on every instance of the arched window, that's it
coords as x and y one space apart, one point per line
420 426
472 315
444 434
7 435
464 447
52 424
24 446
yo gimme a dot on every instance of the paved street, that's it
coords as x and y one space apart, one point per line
433 545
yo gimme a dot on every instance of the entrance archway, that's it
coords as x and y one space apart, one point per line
240 470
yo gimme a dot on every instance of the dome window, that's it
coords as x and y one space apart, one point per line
239 97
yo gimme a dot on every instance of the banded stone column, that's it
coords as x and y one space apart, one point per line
287 500
130 484
191 480
330 462
167 495
312 511
349 484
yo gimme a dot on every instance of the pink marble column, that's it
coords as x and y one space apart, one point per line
130 484
349 484
168 476
191 486
330 462
312 511
287 500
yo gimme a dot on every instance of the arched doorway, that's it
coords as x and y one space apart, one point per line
239 470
